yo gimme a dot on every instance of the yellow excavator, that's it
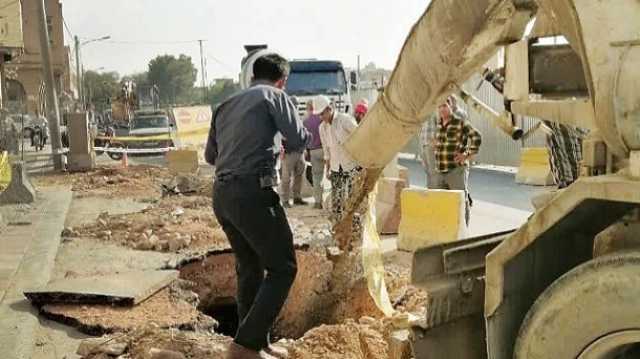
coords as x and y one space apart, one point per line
567 283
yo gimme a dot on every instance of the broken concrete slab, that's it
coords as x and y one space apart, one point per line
165 309
20 190
123 289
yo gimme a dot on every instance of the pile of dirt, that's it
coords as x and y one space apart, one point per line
141 343
112 181
364 339
404 296
173 224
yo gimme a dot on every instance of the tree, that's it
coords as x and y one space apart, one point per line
100 87
222 90
173 76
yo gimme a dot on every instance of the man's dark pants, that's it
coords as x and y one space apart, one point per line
259 233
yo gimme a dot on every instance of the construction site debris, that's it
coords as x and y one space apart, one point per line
150 342
122 289
350 340
165 309
173 224
20 190
112 182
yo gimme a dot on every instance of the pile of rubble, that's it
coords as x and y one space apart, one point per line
173 224
151 342
366 338
112 181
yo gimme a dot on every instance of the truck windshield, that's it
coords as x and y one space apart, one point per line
150 122
313 83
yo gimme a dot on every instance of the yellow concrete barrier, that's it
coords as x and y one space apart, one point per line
535 168
430 217
5 170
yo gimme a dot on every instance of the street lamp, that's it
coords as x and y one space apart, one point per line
78 73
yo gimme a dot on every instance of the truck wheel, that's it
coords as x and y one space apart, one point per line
591 312
116 156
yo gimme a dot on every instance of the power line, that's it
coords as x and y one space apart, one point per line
229 67
142 42
66 26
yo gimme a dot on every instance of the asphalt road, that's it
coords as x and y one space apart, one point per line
486 185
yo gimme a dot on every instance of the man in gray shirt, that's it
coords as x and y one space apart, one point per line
241 147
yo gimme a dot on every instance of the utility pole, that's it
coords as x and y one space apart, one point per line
78 74
52 97
204 83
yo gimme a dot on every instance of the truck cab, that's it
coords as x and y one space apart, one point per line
310 78
155 124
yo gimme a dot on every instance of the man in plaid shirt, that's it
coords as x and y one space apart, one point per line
456 142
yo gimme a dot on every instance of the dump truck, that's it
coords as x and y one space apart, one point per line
308 78
567 283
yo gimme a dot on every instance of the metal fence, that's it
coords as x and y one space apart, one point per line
497 148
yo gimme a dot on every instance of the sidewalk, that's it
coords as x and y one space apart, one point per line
29 245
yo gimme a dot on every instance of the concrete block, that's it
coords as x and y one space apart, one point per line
79 136
79 162
535 168
20 189
183 161
430 217
388 209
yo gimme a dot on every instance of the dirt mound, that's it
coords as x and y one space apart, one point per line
112 181
173 224
352 340
140 343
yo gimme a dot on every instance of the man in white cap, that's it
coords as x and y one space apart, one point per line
341 169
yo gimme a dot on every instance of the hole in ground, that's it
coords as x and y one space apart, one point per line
225 311
323 293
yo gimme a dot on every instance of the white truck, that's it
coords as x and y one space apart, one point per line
308 78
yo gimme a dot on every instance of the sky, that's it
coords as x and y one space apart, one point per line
329 29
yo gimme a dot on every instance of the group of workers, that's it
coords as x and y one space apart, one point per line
242 148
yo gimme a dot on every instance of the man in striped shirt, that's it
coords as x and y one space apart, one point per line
456 142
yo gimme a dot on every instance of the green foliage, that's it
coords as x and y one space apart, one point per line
173 76
221 90
101 87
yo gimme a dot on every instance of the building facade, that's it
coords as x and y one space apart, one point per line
25 81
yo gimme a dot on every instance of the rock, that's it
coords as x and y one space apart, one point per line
148 232
179 211
101 346
178 242
147 243
367 321
67 232
102 222
105 234
165 354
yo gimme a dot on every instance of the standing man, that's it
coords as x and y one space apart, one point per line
361 110
293 167
241 146
427 139
457 141
342 170
316 154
